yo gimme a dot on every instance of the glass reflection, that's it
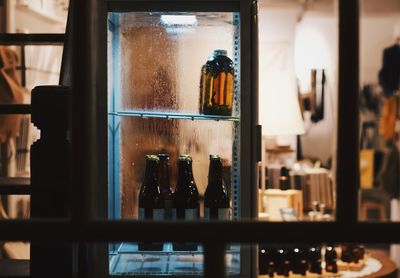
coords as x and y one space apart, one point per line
379 116
298 110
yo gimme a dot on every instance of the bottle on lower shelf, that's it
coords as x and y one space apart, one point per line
186 199
151 202
216 198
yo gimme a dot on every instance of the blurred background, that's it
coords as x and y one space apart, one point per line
24 65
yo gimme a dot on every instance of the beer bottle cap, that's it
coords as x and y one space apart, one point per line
215 157
185 157
163 156
152 157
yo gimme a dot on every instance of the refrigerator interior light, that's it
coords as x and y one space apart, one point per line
173 20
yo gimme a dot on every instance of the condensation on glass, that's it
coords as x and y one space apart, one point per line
155 63
154 91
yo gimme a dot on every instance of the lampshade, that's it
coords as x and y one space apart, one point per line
311 51
279 107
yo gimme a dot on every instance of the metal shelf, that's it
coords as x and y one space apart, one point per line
128 261
173 115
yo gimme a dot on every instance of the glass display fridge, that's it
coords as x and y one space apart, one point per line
181 82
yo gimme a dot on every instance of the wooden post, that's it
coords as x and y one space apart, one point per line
50 196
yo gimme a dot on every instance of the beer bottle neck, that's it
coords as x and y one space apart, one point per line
185 172
151 171
190 170
164 173
215 172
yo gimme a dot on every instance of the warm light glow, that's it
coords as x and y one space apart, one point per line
178 20
396 30
311 52
280 111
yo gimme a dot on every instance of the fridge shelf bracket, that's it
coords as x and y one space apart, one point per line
174 115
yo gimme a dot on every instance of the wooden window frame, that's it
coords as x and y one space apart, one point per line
83 227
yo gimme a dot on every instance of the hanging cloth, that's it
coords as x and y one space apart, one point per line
388 118
11 92
390 176
389 75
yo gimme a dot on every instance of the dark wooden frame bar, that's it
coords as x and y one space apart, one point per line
15 109
23 40
82 227
31 39
347 174
15 186
201 231
14 268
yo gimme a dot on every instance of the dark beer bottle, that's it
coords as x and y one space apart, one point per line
283 262
151 204
346 253
300 264
266 261
165 185
314 258
284 183
262 261
186 199
216 199
331 259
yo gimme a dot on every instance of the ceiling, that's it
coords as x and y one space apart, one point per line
369 7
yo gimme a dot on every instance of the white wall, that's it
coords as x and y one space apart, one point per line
35 16
32 17
280 31
278 106
376 33
319 140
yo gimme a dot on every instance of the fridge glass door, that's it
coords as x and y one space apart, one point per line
155 91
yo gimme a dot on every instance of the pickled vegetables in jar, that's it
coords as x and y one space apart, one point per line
216 85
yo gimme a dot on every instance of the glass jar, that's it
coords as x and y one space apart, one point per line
216 85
